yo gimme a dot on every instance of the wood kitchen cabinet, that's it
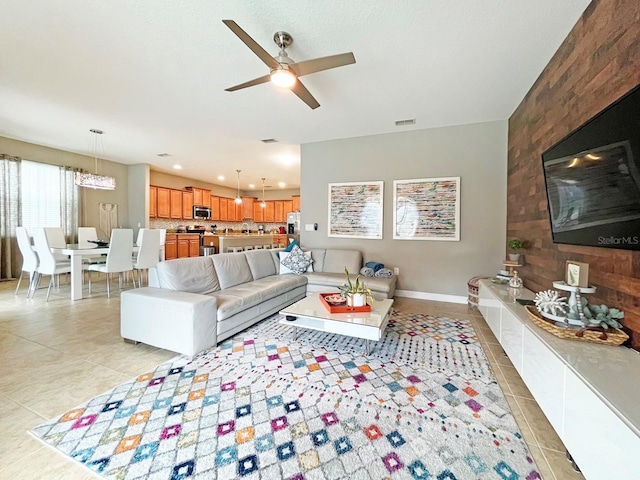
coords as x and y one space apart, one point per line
171 247
215 207
269 212
153 202
206 198
175 203
247 207
188 245
258 212
288 207
164 202
295 203
279 211
231 210
197 196
224 211
187 205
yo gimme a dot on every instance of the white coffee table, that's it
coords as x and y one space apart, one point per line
311 314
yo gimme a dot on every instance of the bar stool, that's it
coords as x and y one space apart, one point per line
248 247
234 249
259 247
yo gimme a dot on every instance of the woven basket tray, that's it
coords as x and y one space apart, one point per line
612 336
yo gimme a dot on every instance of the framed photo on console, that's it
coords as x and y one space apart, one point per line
355 210
427 209
577 274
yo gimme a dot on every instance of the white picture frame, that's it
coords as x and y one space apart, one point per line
427 209
356 210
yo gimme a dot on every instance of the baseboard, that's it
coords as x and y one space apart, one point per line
436 297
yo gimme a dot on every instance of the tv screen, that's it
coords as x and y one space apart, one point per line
592 179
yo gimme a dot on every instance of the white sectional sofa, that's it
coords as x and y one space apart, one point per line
191 304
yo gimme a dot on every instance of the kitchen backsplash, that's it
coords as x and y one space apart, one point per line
236 226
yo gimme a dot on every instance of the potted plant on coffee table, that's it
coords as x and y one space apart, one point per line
356 292
515 245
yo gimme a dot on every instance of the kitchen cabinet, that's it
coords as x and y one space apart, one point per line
215 207
197 196
175 203
295 203
171 247
280 240
288 207
224 211
231 210
247 207
153 202
269 212
258 212
206 198
187 205
164 202
279 211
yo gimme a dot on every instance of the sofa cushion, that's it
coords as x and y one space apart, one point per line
335 260
194 275
296 261
232 269
261 263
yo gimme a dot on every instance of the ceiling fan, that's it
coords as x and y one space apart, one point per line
284 71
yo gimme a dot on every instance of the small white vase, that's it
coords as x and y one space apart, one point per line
514 257
357 300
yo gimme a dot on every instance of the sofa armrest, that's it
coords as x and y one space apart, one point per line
178 321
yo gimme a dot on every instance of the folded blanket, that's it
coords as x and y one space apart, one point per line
375 265
367 272
384 273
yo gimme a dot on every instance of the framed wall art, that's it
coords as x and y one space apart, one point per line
355 210
427 209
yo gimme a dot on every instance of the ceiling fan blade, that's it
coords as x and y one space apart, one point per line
250 83
305 95
323 63
252 44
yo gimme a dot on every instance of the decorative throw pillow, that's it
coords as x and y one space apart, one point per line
295 261
291 245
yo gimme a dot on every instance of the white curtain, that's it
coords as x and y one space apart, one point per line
10 259
70 204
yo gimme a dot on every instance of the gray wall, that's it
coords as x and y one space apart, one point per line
477 153
139 196
91 199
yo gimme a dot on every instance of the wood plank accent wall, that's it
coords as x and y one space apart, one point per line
598 62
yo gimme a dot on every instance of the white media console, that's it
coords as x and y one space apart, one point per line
590 393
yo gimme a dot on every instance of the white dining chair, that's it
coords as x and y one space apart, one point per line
56 239
118 257
29 258
48 262
85 234
163 239
147 255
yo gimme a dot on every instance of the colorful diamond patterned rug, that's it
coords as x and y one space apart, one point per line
422 405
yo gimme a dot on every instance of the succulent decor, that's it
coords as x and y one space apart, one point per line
550 301
358 286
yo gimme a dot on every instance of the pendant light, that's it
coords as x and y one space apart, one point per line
263 204
93 180
238 200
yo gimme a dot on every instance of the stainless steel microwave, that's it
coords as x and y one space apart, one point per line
201 212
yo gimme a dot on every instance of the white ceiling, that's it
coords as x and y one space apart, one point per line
152 74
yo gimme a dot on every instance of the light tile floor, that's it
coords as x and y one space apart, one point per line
58 354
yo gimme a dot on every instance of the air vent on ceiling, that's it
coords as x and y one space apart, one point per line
269 140
164 155
402 123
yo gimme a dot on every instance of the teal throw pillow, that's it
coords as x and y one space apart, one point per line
291 245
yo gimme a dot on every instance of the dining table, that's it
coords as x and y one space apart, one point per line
76 253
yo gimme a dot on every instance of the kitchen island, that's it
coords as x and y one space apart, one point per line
224 241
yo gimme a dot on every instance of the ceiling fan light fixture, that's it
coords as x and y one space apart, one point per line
283 77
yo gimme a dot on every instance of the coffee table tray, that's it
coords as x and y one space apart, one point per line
340 307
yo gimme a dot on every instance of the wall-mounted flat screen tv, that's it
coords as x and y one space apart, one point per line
592 179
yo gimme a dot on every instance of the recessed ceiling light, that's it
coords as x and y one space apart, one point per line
251 185
220 177
177 167
282 184
164 155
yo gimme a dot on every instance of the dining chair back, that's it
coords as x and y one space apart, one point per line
85 234
118 257
48 262
148 248
56 239
29 257
163 239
